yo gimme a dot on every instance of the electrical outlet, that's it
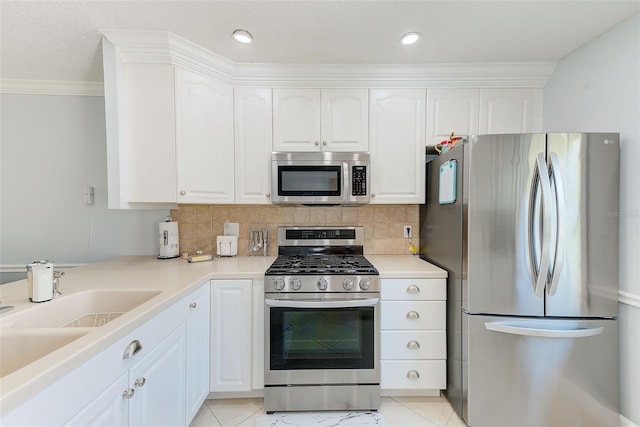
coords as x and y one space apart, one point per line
407 231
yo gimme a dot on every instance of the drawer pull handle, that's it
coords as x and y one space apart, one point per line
413 289
128 393
140 381
132 349
193 305
413 315
413 345
413 375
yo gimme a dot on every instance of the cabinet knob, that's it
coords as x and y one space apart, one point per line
413 315
182 193
140 382
324 142
373 194
128 393
132 349
317 143
413 289
413 374
193 305
268 194
413 345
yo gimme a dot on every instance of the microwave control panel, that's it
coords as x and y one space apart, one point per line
358 180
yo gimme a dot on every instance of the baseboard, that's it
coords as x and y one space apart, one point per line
624 422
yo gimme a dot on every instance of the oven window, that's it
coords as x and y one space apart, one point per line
309 180
321 338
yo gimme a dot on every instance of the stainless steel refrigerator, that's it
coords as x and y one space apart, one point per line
527 227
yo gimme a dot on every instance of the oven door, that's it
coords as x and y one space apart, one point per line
322 340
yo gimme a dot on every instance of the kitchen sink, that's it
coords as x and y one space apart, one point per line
18 348
92 308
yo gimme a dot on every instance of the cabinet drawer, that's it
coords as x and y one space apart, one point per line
413 314
413 374
413 345
413 289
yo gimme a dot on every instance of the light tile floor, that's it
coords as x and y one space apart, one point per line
396 411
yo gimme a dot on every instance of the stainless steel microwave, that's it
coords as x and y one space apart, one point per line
320 178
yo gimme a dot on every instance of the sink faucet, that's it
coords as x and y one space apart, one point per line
56 282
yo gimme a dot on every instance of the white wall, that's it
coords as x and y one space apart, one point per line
597 88
51 147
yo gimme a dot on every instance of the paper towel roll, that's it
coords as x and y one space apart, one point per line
169 240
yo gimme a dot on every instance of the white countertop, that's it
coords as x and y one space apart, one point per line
175 278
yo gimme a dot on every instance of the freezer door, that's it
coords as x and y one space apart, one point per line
541 372
584 176
500 209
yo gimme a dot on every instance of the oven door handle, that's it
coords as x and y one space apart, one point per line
322 304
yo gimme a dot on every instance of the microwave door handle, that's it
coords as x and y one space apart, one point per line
346 184
369 302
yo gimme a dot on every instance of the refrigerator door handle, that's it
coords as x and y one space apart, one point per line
516 329
540 273
557 257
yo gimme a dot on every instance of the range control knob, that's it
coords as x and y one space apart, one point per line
365 283
347 284
295 284
322 284
278 284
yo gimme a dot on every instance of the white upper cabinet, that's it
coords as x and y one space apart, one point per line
253 145
345 119
140 128
510 110
397 145
320 119
451 110
204 139
296 119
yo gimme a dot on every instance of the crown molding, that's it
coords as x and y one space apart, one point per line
51 87
134 46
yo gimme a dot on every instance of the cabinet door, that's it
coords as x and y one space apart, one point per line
109 409
204 139
510 110
296 119
345 119
253 145
231 323
257 377
198 335
397 145
158 381
148 134
451 110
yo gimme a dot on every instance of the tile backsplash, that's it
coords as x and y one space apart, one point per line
199 225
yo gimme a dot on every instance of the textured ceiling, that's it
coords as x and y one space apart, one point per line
59 40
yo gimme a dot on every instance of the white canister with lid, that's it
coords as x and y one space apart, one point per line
40 281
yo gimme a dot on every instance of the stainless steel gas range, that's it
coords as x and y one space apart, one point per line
322 322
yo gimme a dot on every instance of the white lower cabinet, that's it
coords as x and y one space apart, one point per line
413 337
198 350
237 337
231 324
140 380
104 410
157 384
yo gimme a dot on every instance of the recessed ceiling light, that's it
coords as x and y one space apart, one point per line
410 38
243 36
